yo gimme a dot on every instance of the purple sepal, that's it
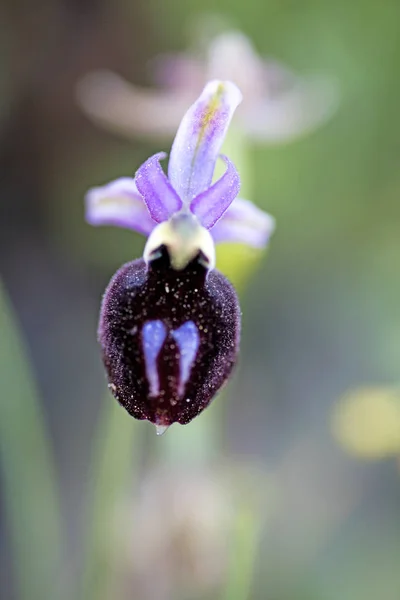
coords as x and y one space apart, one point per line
157 192
118 203
244 223
210 205
199 139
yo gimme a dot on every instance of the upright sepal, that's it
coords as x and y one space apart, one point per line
200 137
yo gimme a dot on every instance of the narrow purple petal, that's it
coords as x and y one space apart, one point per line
199 139
244 223
159 195
118 203
210 205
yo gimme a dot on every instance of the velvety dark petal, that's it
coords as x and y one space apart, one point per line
169 338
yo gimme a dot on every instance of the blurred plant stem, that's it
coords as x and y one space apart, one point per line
243 550
29 481
112 471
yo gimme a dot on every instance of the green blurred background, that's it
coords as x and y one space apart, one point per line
320 316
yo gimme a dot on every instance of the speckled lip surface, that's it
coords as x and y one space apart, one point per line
138 295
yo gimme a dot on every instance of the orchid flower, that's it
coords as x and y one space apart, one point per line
170 322
279 105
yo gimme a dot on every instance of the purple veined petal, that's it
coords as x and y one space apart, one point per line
118 203
290 108
244 223
210 205
199 139
157 192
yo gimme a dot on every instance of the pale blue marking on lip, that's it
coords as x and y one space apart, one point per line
154 334
188 339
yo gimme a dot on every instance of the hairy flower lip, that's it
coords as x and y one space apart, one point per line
137 295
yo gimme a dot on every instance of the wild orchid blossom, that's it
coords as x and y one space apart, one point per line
279 105
170 323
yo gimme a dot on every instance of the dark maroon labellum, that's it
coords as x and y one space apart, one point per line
169 338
